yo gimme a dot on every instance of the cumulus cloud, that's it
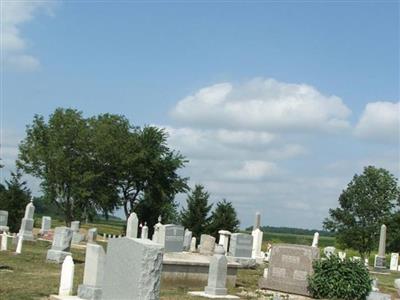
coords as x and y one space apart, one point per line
380 122
262 104
14 45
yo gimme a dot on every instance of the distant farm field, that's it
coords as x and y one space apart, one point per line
288 238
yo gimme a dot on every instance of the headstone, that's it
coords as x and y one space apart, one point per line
207 244
156 235
77 237
145 232
378 296
187 239
193 245
95 260
289 267
132 226
46 225
27 223
315 240
224 239
67 277
3 221
4 241
92 235
132 270
217 274
380 259
397 285
61 245
241 245
394 261
257 238
19 245
366 262
171 237
328 251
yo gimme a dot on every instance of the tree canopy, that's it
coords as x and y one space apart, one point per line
369 201
223 217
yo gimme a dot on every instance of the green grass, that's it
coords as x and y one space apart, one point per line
299 239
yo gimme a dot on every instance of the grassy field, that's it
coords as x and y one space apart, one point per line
28 276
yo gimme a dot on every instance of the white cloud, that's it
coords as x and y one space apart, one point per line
380 122
14 45
262 104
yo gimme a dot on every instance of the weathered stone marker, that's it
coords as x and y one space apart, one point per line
216 276
132 270
156 235
3 221
4 241
19 245
187 239
289 267
224 239
241 245
207 244
95 260
193 245
46 225
27 223
394 261
257 238
171 237
61 245
315 240
77 237
132 226
92 235
380 259
67 277
145 231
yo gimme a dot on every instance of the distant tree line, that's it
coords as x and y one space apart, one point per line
291 230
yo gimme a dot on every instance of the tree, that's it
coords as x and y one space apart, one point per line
223 217
366 203
14 197
195 216
59 152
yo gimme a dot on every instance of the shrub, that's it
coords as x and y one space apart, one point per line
337 279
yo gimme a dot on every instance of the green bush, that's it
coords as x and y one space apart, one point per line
337 279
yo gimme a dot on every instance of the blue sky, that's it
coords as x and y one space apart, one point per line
275 104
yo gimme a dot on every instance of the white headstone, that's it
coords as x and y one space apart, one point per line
67 277
46 225
19 245
92 235
224 239
4 241
397 285
145 232
156 235
187 240
27 223
132 226
394 261
193 245
315 240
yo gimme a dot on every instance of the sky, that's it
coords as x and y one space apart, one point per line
276 104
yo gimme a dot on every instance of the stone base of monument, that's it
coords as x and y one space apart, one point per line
205 295
57 297
191 269
89 292
56 256
244 262
27 236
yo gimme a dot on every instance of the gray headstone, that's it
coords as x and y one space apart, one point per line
95 260
133 269
27 223
75 226
241 245
3 220
171 237
217 273
92 235
207 244
132 226
289 267
61 245
380 259
46 225
187 240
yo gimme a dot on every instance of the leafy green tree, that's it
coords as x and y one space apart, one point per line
366 203
14 197
196 216
59 153
393 233
223 217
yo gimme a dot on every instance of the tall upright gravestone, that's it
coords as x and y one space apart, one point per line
3 221
380 259
257 238
132 270
27 223
289 267
132 226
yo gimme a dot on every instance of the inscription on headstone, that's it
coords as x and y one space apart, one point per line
289 267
